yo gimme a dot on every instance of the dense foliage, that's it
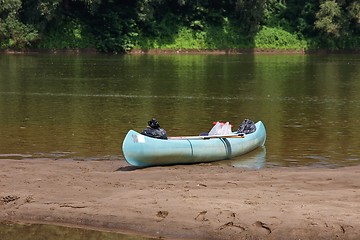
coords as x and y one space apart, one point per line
123 25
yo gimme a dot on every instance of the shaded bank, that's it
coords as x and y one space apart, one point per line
201 201
77 51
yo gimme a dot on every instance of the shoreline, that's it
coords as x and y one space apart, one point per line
201 201
255 51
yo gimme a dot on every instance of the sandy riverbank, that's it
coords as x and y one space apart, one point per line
184 202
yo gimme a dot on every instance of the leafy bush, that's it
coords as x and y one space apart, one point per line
16 35
275 38
209 38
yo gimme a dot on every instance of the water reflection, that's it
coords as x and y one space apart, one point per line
252 161
42 231
66 106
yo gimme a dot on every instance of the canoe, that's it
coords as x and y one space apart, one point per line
142 151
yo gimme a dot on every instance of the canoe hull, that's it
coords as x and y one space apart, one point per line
143 151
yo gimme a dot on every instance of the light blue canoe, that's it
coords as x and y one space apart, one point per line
143 151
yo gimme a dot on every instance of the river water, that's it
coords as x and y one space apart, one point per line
81 106
51 232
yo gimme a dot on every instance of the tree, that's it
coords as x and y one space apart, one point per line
13 33
250 14
328 18
354 16
119 25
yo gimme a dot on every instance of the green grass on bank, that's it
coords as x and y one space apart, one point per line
74 35
218 39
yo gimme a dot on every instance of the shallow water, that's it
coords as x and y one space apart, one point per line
47 232
81 106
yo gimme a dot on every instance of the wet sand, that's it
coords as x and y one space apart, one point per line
200 201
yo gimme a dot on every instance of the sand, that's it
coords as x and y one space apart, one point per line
202 201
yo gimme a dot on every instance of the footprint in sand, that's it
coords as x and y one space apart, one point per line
162 215
8 199
201 216
263 225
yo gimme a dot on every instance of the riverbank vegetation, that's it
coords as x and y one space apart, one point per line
125 25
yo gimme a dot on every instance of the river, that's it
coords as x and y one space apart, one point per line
67 106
